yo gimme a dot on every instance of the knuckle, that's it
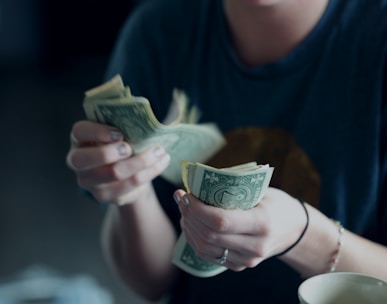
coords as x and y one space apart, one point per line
121 170
101 196
75 130
221 223
143 160
260 250
265 229
104 155
144 176
237 268
136 179
210 237
74 161
116 171
251 263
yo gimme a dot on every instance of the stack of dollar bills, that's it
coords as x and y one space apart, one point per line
237 187
190 145
112 103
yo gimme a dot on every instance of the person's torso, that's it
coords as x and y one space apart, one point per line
315 115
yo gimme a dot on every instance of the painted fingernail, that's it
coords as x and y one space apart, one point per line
186 200
115 135
122 150
176 198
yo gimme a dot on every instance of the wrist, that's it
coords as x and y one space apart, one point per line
337 252
294 244
315 253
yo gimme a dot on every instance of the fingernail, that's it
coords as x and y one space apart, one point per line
122 150
176 198
115 135
186 200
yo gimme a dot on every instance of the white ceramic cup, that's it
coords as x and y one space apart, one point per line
343 288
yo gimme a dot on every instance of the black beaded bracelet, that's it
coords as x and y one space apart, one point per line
302 234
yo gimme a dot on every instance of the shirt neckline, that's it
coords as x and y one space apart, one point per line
302 54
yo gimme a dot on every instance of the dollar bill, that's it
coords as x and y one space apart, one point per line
238 187
112 103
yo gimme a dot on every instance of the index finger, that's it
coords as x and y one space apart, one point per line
86 133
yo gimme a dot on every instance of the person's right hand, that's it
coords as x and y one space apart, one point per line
106 167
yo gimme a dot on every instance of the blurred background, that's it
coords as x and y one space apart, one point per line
50 53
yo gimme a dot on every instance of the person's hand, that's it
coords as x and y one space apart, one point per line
106 167
250 236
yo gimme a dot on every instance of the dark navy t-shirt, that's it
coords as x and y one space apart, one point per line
318 115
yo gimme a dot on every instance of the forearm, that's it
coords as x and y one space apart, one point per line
138 240
314 254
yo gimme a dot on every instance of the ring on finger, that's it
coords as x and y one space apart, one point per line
223 258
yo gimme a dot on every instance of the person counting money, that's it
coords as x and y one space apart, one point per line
298 85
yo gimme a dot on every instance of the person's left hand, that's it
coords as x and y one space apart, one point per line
251 236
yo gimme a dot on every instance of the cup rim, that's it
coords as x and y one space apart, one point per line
307 281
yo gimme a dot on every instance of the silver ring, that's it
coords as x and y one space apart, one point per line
223 258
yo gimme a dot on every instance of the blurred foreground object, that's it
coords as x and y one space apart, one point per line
42 285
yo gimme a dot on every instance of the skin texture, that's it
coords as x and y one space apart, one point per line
141 253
